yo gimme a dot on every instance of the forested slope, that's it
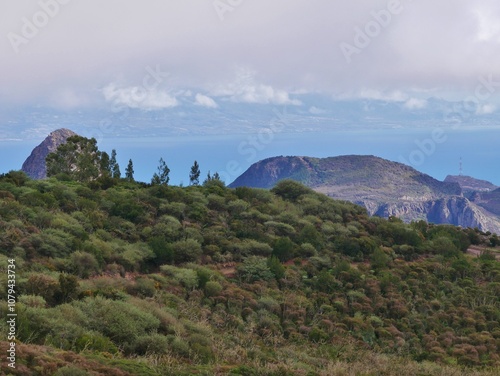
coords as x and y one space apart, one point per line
122 278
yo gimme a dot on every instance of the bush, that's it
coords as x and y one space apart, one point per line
290 190
144 287
186 277
96 342
151 344
253 269
33 301
83 264
212 288
71 371
187 250
119 321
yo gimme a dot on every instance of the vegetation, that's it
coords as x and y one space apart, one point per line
161 177
129 171
116 277
194 175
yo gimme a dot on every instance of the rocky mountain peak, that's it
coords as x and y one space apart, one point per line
468 183
34 166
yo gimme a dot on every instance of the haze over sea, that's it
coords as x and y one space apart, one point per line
232 154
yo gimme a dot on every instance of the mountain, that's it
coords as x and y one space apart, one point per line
488 200
470 184
34 165
383 187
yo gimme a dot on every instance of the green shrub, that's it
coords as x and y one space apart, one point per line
95 341
253 269
151 344
212 288
186 250
119 321
71 371
186 277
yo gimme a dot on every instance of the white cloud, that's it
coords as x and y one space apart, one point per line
68 99
203 100
139 97
485 109
488 27
415 104
245 89
428 45
316 111
392 96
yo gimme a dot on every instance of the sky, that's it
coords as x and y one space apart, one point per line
210 57
85 53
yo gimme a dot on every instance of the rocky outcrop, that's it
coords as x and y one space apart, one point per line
454 210
34 166
470 185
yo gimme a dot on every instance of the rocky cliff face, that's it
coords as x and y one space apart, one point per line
34 166
383 187
453 210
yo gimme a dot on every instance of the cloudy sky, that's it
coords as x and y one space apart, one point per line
71 54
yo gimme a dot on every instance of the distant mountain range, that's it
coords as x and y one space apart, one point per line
386 188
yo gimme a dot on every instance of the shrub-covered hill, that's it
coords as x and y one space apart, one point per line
131 279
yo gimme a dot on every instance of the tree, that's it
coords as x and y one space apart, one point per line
214 177
283 249
129 171
253 269
161 177
105 164
79 159
194 175
114 167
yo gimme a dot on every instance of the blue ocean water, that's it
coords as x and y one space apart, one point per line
436 153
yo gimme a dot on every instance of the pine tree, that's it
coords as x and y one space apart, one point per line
161 177
194 175
208 178
105 164
114 166
129 171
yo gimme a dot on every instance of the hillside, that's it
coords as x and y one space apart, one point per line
122 278
470 184
383 187
488 200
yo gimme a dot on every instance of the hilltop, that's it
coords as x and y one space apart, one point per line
470 184
383 187
34 165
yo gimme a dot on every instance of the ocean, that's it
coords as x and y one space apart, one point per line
435 152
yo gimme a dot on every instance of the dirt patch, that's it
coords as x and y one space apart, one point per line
477 251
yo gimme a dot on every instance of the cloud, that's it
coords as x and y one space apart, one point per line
488 27
485 109
316 111
415 104
203 100
68 99
139 97
429 45
245 89
378 95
